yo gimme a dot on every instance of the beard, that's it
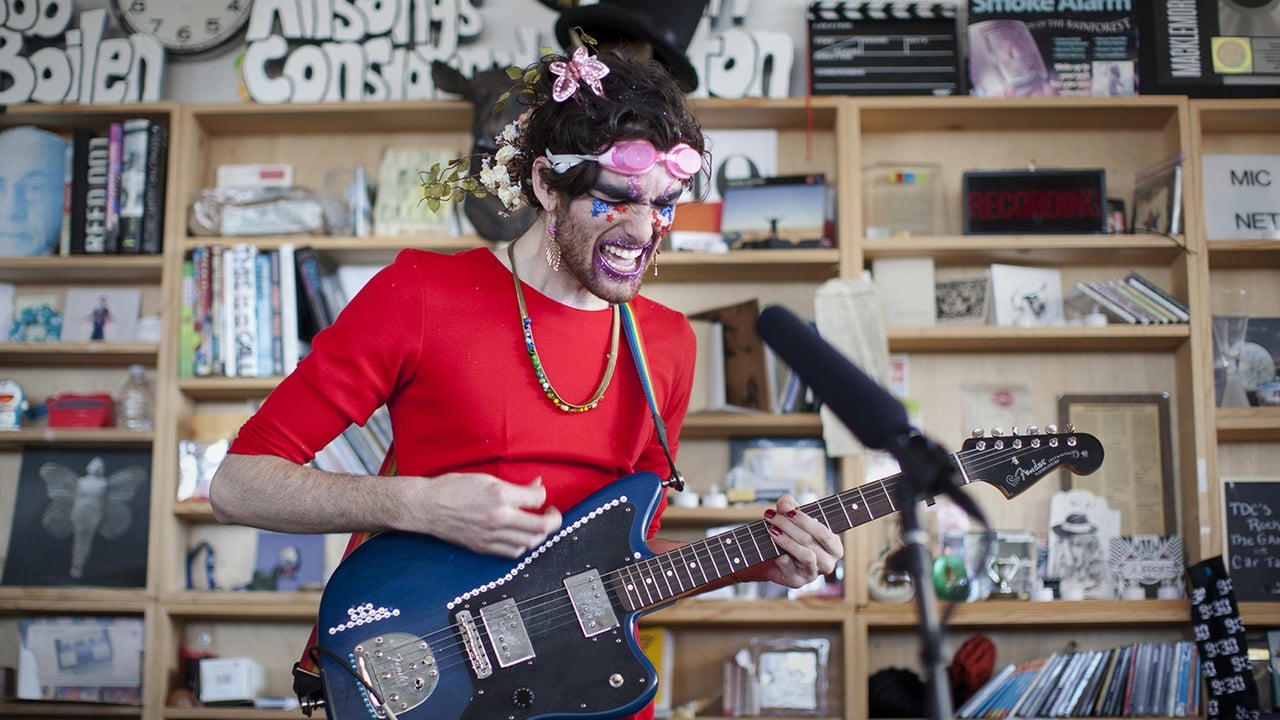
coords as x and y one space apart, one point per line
583 255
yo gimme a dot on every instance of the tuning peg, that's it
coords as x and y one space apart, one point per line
1051 428
997 432
1033 430
1070 428
1014 430
977 433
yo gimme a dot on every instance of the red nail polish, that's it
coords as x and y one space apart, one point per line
770 513
792 513
775 530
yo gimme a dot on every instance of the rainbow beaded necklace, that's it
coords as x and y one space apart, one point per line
526 325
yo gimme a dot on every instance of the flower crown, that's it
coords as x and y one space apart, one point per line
452 183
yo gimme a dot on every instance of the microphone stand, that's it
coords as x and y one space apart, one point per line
925 468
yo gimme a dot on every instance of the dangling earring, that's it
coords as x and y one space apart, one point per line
553 248
656 253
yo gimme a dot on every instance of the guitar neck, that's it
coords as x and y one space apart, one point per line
693 567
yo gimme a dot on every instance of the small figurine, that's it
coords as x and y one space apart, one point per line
13 405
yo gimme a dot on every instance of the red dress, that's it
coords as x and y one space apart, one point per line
437 338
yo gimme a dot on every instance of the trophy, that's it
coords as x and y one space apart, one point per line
1002 570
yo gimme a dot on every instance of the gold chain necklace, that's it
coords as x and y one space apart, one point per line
526 325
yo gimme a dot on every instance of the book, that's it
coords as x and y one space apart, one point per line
97 169
747 366
115 166
186 320
290 348
153 198
1158 294
1156 312
80 145
1113 294
1087 300
658 645
135 134
907 290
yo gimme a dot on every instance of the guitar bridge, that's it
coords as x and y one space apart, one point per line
480 663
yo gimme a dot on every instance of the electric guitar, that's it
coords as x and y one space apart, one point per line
412 627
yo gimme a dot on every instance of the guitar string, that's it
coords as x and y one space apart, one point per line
540 615
534 615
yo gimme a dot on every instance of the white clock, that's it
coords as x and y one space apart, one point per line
184 27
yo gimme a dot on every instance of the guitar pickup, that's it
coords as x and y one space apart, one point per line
591 603
507 634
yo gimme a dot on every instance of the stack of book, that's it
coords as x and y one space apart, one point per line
1147 679
117 188
1133 299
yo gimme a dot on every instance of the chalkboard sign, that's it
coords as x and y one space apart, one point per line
1251 510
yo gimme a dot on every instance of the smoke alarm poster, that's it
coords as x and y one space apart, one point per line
1026 48
1211 48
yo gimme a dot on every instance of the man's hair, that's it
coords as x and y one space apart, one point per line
641 101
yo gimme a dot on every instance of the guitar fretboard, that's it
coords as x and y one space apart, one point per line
689 568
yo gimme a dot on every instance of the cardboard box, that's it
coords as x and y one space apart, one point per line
73 659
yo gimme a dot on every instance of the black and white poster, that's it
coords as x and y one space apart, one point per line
80 518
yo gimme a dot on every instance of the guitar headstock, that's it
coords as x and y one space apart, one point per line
1016 461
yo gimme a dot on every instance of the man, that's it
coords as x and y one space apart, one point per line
510 397
32 189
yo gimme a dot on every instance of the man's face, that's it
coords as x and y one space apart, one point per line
31 194
609 236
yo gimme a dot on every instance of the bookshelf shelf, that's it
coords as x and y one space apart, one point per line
65 710
1058 613
253 606
1244 253
727 424
221 388
1118 250
141 269
993 339
74 437
1255 424
86 601
804 611
78 353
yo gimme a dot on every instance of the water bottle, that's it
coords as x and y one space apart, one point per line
133 407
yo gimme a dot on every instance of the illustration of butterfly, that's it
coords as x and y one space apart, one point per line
87 506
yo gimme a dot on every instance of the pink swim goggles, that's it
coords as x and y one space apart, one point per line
635 157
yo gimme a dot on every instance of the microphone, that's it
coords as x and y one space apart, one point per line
873 415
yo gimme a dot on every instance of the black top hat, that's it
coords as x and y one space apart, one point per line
1075 524
667 25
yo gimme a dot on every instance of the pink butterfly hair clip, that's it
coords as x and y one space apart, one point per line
579 70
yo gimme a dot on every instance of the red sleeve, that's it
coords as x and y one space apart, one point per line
334 385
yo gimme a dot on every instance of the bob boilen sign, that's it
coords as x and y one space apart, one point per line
366 51
44 60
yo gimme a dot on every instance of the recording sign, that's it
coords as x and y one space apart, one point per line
1014 202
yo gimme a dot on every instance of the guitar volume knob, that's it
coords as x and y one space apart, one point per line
522 698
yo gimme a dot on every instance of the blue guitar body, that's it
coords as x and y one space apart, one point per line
425 623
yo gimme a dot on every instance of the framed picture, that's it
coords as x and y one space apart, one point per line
58 539
1137 477
1027 296
1157 199
963 300
106 314
1008 568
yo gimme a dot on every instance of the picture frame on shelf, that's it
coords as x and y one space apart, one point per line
1026 296
105 314
963 300
45 547
1148 567
766 468
1137 479
1157 198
